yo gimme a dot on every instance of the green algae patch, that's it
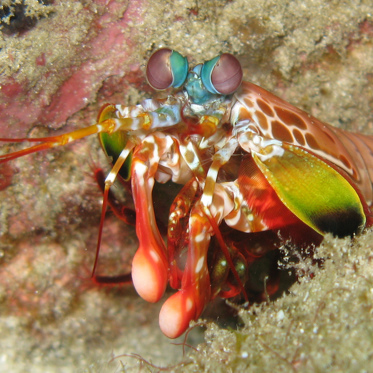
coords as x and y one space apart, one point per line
324 324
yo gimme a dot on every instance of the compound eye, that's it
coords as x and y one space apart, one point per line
166 68
222 75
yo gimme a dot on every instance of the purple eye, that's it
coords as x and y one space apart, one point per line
222 75
166 68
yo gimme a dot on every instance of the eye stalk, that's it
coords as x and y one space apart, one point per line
166 68
222 75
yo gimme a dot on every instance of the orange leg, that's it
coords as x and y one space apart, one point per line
122 212
189 302
177 238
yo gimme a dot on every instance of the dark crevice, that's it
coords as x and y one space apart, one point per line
15 17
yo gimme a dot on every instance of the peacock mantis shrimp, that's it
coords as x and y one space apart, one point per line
248 162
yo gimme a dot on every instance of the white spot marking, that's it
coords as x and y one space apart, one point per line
200 237
189 304
256 140
199 264
213 173
111 177
154 255
280 315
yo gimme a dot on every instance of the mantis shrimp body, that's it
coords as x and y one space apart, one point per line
248 162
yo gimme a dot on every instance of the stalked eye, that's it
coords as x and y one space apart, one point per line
222 75
166 68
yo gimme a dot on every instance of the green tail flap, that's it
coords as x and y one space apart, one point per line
312 190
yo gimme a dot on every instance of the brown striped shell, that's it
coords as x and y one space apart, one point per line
277 119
